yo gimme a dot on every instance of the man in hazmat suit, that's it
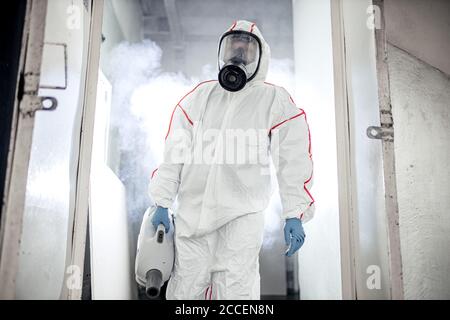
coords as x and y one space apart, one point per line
216 164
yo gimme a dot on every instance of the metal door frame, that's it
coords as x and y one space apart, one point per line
387 139
75 265
26 105
347 188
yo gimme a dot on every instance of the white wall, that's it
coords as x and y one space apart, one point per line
122 22
421 108
419 65
129 17
422 28
112 276
319 259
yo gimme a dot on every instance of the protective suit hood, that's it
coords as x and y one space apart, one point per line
243 25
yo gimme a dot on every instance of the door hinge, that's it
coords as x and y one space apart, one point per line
386 130
30 102
385 133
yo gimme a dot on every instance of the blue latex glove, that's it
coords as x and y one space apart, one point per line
294 235
161 216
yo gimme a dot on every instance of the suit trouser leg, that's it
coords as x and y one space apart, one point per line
223 264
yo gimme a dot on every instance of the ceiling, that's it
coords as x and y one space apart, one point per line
183 21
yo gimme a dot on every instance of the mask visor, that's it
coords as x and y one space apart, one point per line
240 48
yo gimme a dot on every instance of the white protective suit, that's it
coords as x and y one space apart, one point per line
219 216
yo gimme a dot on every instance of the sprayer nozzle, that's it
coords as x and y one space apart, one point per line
153 284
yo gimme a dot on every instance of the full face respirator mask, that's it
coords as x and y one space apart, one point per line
239 59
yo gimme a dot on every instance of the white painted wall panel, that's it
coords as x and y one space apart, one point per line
111 274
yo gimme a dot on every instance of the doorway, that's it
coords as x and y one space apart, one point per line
92 160
173 46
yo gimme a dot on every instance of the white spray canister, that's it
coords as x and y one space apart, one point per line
155 255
